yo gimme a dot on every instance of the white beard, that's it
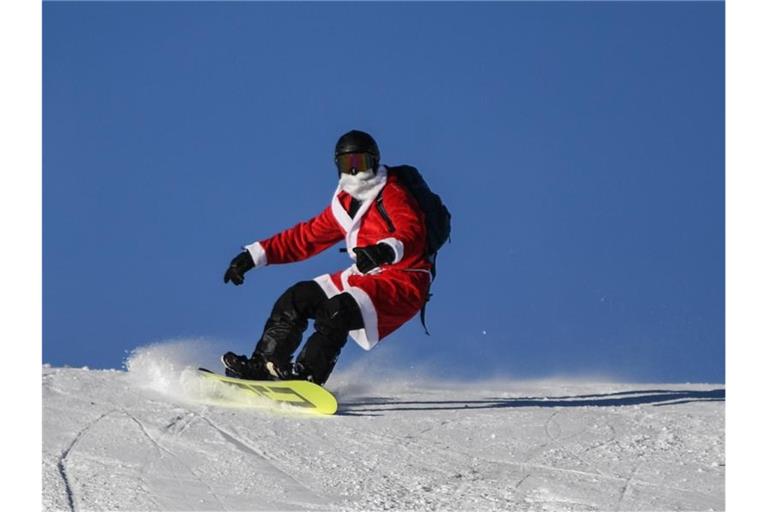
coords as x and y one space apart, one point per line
363 185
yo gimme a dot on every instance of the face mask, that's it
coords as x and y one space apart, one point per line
362 186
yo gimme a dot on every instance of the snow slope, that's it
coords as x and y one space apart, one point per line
157 437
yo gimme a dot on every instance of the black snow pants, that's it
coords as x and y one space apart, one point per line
334 317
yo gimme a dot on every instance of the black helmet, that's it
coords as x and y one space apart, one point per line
357 142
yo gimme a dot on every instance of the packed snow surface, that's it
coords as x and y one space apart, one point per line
158 437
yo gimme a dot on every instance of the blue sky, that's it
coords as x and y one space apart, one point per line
579 146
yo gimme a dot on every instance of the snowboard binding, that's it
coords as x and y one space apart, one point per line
260 368
241 367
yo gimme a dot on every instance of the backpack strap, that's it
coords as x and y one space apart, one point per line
433 271
423 314
383 212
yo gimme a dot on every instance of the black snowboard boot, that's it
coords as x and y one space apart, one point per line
240 367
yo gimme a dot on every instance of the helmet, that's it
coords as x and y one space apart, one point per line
356 142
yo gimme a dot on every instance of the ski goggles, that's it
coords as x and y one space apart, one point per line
353 163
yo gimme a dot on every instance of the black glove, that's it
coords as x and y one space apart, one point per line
241 264
372 256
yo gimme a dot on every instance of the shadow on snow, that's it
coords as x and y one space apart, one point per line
655 397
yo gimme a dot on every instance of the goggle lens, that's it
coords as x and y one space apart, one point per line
352 163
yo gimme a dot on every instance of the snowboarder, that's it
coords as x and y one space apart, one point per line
387 284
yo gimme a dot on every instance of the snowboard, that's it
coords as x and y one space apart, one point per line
307 396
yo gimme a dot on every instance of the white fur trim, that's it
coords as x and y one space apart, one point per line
345 276
327 285
258 254
352 225
396 246
339 213
368 336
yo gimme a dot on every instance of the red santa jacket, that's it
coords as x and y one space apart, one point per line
388 296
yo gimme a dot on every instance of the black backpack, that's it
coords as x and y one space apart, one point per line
436 216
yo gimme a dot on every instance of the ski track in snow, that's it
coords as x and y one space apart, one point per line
61 464
163 450
112 444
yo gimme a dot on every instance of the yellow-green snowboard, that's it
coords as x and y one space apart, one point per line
298 393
